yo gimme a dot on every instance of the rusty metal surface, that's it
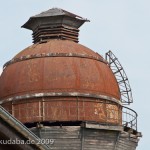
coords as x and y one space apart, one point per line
58 74
85 76
23 58
60 94
65 109
58 46
104 111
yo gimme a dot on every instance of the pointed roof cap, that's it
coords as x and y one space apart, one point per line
57 12
53 13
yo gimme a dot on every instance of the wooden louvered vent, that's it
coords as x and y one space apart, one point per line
43 33
55 24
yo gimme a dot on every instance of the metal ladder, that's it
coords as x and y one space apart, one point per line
121 77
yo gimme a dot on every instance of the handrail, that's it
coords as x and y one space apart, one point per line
129 118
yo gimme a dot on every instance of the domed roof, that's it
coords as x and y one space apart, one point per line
57 66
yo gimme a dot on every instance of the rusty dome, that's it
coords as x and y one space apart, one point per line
58 66
57 79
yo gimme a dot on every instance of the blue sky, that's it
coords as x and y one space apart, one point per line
122 26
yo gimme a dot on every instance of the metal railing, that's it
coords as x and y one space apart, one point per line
129 118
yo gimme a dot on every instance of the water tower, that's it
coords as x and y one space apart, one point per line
64 91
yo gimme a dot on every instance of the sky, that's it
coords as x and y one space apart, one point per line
122 26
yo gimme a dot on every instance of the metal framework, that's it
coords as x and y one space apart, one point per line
122 79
